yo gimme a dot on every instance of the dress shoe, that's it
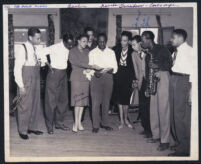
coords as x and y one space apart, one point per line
24 136
74 129
120 126
143 133
95 130
50 132
80 127
163 146
106 128
129 125
62 127
36 132
148 135
153 140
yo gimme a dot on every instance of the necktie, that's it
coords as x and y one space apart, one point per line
35 57
174 57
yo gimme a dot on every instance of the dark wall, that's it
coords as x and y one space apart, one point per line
75 20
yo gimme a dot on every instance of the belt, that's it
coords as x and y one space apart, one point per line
180 74
55 69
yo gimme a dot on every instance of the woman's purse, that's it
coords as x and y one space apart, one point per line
134 99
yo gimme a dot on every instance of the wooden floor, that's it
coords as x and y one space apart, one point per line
125 142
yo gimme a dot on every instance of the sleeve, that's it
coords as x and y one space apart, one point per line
193 67
19 62
165 60
91 59
74 60
114 62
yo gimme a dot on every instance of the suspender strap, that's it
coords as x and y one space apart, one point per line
26 56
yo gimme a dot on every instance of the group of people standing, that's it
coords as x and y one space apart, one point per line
98 72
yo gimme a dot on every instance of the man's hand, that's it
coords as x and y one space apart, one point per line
152 65
135 84
22 91
157 74
98 74
111 71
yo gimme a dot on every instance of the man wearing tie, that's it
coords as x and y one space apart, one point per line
56 93
27 77
180 92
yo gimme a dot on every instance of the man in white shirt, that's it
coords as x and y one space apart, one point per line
102 82
56 93
180 87
27 77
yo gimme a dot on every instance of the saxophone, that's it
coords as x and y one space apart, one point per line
152 82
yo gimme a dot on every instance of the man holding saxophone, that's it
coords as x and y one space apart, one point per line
158 66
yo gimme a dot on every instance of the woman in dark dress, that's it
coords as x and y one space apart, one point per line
124 77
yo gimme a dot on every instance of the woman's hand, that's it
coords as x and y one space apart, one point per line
135 84
22 91
96 67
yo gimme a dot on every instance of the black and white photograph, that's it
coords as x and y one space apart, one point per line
100 82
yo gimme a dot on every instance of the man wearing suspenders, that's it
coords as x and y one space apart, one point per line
27 77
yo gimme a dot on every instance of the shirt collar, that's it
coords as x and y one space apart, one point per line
106 48
182 46
28 43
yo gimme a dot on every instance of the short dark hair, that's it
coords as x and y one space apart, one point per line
82 36
88 29
102 35
67 37
127 33
149 35
137 38
180 32
32 31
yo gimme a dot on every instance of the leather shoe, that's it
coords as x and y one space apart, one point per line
153 140
95 130
50 132
163 146
106 128
24 136
36 132
62 127
148 135
143 133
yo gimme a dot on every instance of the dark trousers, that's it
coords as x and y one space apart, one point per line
101 92
28 110
180 114
56 98
144 108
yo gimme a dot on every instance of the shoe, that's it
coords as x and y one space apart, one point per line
106 127
153 140
95 130
74 129
163 146
36 132
129 125
50 132
24 136
143 133
62 127
80 127
148 135
120 126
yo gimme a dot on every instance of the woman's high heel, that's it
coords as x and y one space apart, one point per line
74 129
